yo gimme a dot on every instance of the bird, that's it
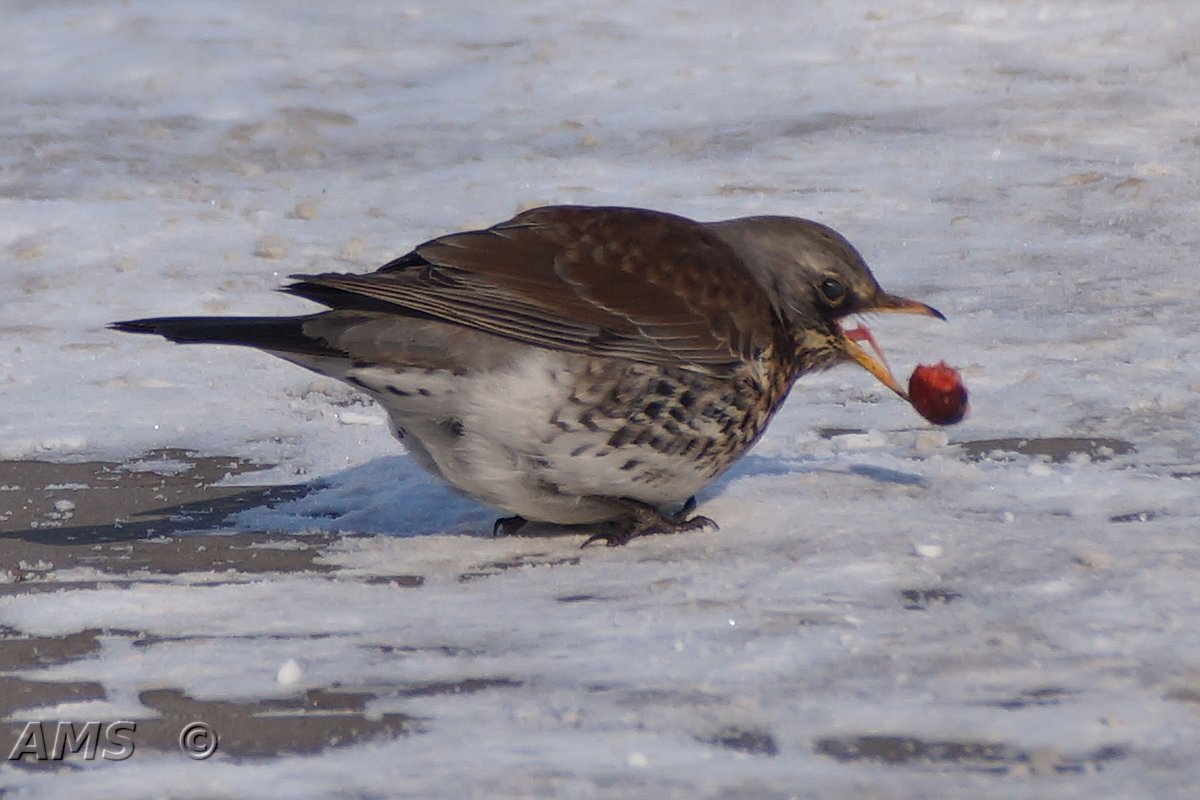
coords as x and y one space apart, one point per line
589 366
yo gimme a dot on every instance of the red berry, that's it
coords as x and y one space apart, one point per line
938 394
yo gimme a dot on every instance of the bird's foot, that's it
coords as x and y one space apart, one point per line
508 526
646 520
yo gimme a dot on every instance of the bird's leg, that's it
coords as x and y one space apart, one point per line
646 520
687 508
508 526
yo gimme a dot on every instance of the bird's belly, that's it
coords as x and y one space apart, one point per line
550 436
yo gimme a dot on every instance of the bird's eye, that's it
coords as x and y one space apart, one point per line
833 291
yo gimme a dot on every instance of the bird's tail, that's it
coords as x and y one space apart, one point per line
276 334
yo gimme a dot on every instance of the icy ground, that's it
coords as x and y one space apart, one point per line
889 610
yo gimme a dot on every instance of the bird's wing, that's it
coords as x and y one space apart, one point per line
628 283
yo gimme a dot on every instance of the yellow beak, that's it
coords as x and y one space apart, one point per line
875 364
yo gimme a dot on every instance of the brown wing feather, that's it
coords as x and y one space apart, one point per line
636 284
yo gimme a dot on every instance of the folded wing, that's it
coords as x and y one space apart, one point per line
633 284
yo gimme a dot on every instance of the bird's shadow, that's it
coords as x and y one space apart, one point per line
389 495
756 466
174 492
392 495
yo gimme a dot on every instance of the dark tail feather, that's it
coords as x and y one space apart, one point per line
279 334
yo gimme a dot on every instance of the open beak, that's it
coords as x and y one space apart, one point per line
875 363
902 305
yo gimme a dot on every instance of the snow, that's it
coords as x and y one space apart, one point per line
1029 168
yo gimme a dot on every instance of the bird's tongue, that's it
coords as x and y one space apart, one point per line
861 333
876 366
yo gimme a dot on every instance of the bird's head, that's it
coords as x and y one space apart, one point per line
820 281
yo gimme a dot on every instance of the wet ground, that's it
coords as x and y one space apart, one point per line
97 525
141 522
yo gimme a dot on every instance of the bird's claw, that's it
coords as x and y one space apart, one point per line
507 526
645 520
